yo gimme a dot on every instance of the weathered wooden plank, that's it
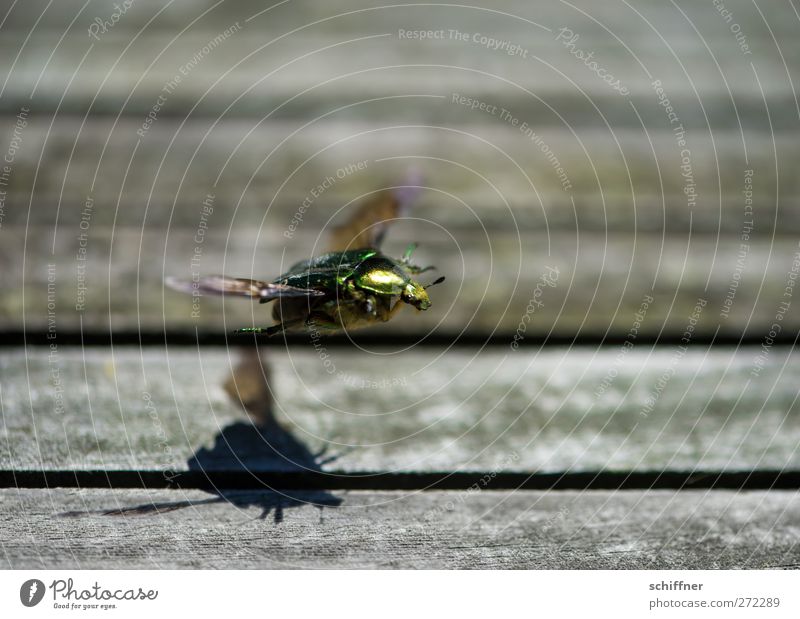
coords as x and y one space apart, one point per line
70 529
601 284
620 37
480 170
424 410
180 12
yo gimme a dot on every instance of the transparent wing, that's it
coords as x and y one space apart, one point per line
371 220
240 287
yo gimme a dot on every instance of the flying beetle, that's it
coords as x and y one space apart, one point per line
353 286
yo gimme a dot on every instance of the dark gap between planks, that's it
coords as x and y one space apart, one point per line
333 480
436 340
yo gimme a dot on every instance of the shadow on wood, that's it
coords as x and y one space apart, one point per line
243 447
264 445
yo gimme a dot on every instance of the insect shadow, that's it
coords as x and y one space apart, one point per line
243 448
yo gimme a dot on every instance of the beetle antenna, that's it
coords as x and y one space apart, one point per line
438 281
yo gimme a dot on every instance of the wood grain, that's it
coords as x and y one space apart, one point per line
273 111
477 171
552 410
302 44
601 285
71 529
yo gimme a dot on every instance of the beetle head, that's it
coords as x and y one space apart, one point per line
414 294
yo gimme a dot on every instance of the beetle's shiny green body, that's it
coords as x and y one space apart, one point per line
341 290
358 288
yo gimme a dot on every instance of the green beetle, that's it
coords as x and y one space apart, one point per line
340 290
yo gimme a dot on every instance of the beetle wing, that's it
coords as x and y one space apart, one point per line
341 260
368 225
325 270
236 286
319 280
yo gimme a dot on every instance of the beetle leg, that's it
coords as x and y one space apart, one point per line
392 311
250 330
414 269
268 331
409 250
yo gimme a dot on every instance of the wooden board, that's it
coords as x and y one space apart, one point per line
261 127
151 42
71 529
299 95
479 171
602 281
382 410
108 156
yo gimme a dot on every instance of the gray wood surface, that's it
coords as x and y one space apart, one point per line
601 284
296 94
419 410
480 171
629 38
68 529
250 134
